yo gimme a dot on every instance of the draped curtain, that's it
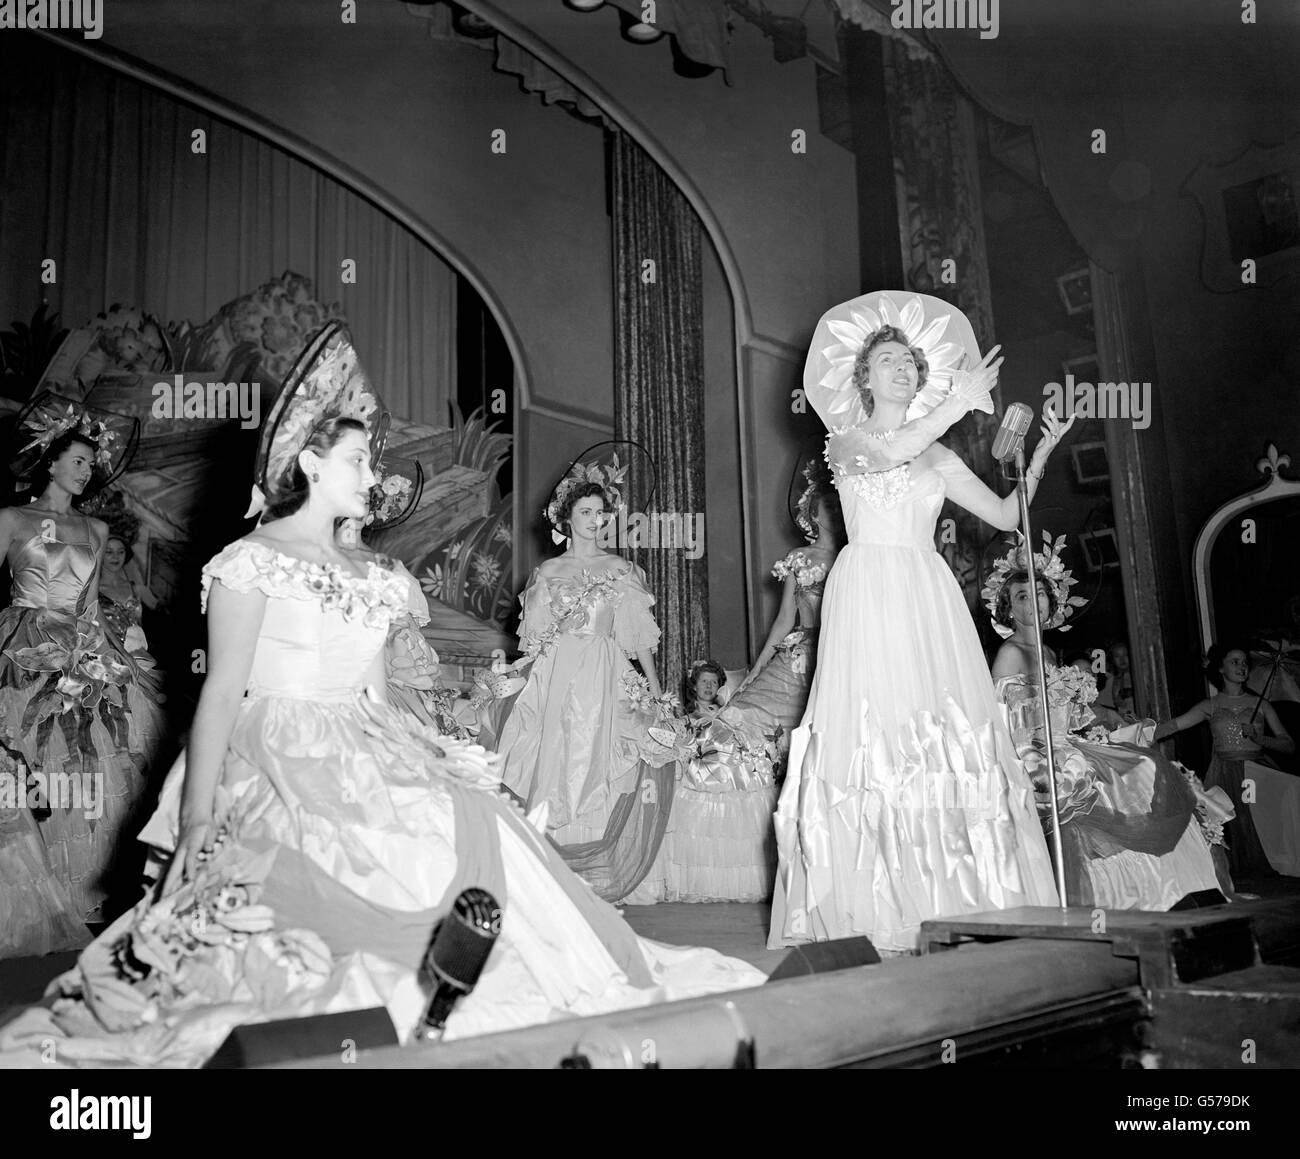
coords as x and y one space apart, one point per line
100 176
659 375
932 133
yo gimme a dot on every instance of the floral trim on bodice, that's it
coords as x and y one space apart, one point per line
881 489
808 573
571 604
375 600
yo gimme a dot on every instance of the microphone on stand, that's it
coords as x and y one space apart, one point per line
1011 434
1009 443
456 956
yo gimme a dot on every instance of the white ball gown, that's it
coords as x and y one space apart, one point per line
904 799
352 829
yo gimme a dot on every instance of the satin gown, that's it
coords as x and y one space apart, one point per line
363 826
77 713
776 698
577 741
1128 827
904 798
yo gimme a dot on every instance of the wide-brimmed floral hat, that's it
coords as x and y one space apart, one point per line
937 328
327 381
614 464
48 416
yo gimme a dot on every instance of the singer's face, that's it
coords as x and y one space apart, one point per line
1022 610
893 373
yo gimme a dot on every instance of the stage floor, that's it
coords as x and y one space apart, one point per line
737 929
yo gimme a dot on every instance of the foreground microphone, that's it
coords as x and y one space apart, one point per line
457 953
1011 434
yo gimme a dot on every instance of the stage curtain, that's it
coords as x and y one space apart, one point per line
101 176
658 384
932 134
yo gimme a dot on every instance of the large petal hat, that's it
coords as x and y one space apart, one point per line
932 325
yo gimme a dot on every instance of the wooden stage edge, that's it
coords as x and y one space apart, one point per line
1028 987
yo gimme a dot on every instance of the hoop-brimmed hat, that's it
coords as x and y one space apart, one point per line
48 416
327 381
614 465
937 328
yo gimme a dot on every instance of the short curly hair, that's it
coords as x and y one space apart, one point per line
862 363
695 673
1002 609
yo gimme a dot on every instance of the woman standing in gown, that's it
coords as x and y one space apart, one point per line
904 799
1130 826
775 692
1244 728
80 718
589 740
318 833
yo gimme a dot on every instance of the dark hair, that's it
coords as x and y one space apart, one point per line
129 554
1002 609
581 491
1215 657
54 452
815 493
695 673
862 363
290 493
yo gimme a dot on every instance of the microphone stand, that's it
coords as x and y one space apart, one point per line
1022 489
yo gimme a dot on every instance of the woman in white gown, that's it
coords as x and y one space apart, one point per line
904 798
319 834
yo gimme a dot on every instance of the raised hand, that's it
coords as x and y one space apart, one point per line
1052 432
976 384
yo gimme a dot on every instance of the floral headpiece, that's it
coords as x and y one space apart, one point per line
45 427
934 326
50 416
817 480
326 382
607 464
1048 567
398 486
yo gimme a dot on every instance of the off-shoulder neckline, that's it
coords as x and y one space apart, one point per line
371 563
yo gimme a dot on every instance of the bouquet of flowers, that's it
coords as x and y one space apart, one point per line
207 942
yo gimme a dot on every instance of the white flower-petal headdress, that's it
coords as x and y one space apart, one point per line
937 328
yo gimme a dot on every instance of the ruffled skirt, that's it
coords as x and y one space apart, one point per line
80 721
904 799
367 828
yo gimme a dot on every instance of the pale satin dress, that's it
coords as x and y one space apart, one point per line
1128 826
75 710
573 741
374 823
904 799
776 698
